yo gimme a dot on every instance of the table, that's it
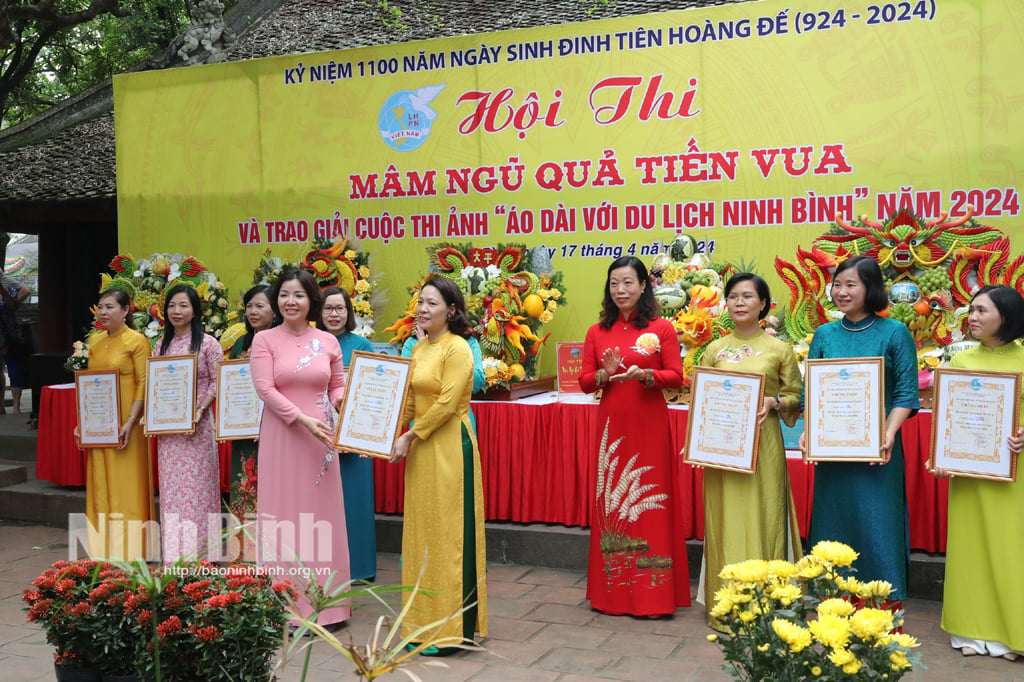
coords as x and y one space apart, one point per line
538 465
58 457
537 458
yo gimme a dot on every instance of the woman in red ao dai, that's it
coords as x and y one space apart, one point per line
637 553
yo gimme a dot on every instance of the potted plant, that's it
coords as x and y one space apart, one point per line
68 602
810 621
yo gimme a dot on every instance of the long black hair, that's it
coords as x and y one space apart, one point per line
250 333
197 318
647 309
123 300
458 320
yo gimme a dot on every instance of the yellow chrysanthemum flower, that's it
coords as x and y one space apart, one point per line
903 639
764 647
781 569
798 638
836 553
869 624
816 671
747 616
832 631
853 667
898 660
364 272
712 638
851 585
362 286
750 571
841 657
874 589
350 254
810 567
786 594
835 607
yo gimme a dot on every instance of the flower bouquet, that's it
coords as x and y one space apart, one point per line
333 264
810 621
511 292
79 358
147 281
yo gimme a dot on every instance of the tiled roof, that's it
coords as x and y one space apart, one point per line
78 163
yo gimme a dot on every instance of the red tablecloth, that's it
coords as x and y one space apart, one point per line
538 465
58 457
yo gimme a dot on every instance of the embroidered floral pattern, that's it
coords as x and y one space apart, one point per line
736 354
647 344
327 415
315 350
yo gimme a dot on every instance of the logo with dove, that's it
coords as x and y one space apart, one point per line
406 118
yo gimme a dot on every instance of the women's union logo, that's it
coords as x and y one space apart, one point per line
406 117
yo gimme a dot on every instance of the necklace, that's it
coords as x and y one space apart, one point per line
842 321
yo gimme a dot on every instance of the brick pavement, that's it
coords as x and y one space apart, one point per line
541 630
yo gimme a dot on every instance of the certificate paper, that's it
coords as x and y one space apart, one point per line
722 432
845 407
99 408
975 412
170 394
239 409
371 416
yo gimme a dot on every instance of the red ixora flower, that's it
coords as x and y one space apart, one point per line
281 586
64 586
169 626
208 634
219 601
80 609
145 615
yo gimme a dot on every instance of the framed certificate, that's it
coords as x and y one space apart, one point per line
845 410
170 395
371 415
722 431
239 409
974 413
99 408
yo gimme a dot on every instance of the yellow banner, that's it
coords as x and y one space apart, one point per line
749 126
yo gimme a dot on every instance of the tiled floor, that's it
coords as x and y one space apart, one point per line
541 629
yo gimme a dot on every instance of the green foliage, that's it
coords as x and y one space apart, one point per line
45 64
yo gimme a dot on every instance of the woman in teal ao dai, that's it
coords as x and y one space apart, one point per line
752 516
338 318
864 504
983 603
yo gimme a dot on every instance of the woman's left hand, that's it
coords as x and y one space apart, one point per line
199 414
634 372
400 450
890 440
1016 442
767 405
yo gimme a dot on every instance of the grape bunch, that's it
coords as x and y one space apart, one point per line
903 312
933 279
694 277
